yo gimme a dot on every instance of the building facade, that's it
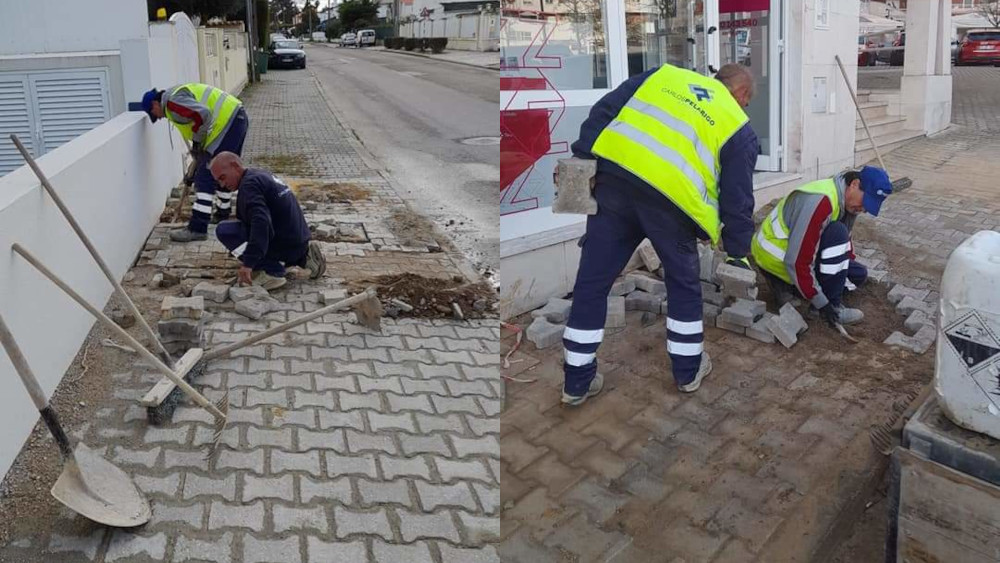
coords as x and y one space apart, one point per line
558 57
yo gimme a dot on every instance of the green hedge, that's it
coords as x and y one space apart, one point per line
437 44
410 43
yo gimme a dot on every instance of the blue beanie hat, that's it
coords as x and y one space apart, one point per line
876 187
147 102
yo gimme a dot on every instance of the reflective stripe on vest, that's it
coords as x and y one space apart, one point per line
222 105
770 243
669 134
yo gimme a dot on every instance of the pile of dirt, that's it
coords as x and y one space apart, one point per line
432 297
412 229
284 163
329 192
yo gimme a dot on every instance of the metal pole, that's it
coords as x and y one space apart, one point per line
90 247
250 38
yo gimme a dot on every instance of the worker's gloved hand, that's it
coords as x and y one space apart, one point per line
739 262
829 314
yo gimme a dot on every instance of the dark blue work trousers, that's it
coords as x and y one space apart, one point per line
234 236
206 188
627 213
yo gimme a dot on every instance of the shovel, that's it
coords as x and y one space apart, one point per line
89 484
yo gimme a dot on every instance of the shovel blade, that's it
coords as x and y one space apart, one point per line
369 313
97 489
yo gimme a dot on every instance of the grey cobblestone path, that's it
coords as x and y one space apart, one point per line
343 445
757 464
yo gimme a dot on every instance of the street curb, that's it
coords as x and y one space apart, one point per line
401 52
461 262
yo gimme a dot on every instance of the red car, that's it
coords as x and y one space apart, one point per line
981 46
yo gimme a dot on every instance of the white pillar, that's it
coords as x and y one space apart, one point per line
926 85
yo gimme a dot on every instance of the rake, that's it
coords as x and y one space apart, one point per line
219 410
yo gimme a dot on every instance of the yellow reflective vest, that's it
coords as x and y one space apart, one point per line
770 243
221 104
670 133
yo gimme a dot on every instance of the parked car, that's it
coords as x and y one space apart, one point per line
366 38
348 39
286 53
955 48
980 46
318 36
277 37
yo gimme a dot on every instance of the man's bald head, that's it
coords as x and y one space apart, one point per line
227 169
738 80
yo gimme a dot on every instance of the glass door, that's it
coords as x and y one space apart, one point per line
681 33
751 36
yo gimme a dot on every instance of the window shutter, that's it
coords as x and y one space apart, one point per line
15 117
68 105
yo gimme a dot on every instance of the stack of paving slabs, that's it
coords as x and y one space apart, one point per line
181 325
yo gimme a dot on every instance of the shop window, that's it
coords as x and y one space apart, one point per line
560 45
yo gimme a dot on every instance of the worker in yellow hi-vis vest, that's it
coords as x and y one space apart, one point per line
675 156
213 121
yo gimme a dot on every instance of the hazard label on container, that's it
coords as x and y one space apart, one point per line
973 341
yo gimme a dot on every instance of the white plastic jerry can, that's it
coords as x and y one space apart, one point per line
967 371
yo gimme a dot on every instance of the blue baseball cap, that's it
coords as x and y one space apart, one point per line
876 187
147 102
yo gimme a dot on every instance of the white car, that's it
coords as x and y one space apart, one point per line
348 38
366 38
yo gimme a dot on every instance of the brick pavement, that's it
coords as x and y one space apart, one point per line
343 444
761 461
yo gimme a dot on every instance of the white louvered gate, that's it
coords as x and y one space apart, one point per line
47 109
15 117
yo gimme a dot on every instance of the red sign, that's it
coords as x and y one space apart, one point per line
730 6
524 138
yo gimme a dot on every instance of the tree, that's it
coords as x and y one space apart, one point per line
355 14
333 28
310 19
991 12
283 12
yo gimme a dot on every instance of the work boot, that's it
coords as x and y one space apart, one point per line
267 281
703 370
315 261
185 234
849 316
596 385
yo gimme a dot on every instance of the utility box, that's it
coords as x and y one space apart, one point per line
944 492
967 371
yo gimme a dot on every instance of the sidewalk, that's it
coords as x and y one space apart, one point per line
773 451
343 444
490 60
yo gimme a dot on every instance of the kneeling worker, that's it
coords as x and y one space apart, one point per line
804 244
270 231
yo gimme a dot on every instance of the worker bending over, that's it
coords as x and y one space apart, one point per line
675 156
804 244
213 121
270 231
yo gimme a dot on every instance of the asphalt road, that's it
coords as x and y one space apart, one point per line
417 115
